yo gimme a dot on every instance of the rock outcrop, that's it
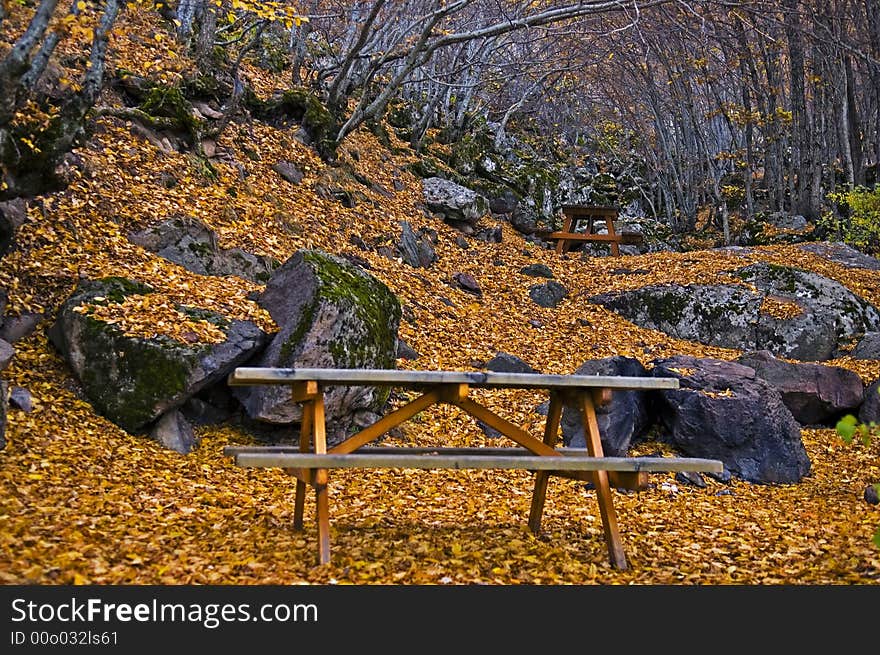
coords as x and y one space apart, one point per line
134 380
331 314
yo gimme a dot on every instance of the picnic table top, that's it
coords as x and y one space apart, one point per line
391 377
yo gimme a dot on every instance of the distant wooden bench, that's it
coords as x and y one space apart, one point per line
588 216
310 461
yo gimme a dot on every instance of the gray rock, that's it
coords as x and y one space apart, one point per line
288 172
467 283
869 412
20 398
490 235
174 432
18 327
453 201
843 254
7 352
504 203
417 251
731 316
527 220
868 347
870 495
537 270
405 351
691 478
134 380
549 294
813 393
723 411
786 221
332 314
507 363
189 243
623 421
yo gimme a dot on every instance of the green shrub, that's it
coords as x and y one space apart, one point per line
860 222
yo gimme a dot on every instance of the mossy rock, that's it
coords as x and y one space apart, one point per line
133 380
301 105
332 314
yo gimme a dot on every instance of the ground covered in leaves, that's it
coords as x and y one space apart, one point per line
81 501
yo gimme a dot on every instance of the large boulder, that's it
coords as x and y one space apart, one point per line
843 254
869 412
332 314
826 314
813 393
868 347
723 410
133 380
622 421
506 363
457 204
189 243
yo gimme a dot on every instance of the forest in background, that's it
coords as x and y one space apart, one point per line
698 110
118 116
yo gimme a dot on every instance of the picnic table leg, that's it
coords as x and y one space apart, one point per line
615 248
322 501
603 489
566 227
551 432
305 442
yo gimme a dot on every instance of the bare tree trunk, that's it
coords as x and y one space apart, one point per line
855 135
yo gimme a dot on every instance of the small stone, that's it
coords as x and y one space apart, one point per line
691 478
405 351
467 283
724 492
535 323
871 495
288 172
488 430
7 352
461 242
21 398
537 270
723 477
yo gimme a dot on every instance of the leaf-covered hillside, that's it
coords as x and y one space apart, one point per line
81 501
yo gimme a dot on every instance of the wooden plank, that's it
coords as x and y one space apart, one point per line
322 502
305 443
629 480
395 377
583 236
589 210
387 422
530 462
303 390
452 393
603 489
539 494
505 427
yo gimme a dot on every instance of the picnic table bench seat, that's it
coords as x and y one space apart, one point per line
310 461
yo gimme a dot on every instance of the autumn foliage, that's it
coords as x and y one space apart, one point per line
81 501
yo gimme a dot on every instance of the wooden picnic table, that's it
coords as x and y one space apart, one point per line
311 460
589 217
